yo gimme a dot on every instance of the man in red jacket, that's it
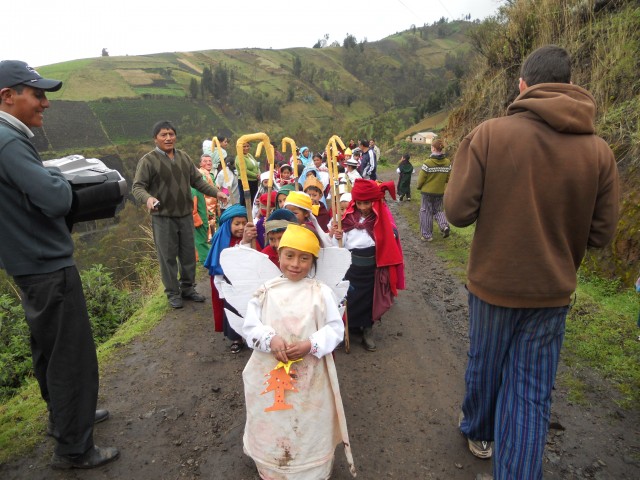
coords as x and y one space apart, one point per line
541 187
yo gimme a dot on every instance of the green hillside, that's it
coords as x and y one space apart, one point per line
310 93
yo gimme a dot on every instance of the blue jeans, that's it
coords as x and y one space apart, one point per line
513 359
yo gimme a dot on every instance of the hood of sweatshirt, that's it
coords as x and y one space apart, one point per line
564 107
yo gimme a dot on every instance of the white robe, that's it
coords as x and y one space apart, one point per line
298 443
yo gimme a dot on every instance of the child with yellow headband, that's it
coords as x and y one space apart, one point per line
302 206
298 415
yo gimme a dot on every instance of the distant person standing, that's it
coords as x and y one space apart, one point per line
368 161
163 182
376 150
541 187
432 180
36 249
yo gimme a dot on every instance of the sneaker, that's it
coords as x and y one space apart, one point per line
425 239
446 232
480 448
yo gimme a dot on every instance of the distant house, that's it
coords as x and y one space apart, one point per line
424 138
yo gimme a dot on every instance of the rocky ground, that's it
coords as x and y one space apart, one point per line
177 408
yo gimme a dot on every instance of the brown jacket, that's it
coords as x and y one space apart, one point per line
541 187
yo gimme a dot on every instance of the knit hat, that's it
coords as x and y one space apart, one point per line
300 238
280 219
370 191
263 201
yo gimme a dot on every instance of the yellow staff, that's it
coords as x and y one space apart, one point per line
332 165
216 143
292 144
242 166
271 159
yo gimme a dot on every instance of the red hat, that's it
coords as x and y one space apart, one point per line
263 201
370 191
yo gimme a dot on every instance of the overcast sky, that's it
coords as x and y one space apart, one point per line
42 33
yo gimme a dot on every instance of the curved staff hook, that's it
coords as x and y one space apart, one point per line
242 166
216 143
271 160
289 141
332 164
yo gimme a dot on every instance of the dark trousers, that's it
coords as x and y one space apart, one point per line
173 237
64 355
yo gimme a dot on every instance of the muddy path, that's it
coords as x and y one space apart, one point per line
177 409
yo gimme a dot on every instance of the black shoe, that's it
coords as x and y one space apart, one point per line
101 416
175 302
194 297
446 232
92 458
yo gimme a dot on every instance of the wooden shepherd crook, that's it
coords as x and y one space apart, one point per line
271 160
289 141
242 166
332 165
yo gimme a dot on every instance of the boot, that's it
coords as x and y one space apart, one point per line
367 339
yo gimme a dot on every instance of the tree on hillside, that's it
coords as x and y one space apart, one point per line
193 88
221 86
297 66
321 43
207 81
349 42
105 52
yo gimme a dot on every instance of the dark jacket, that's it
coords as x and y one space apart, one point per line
541 187
34 237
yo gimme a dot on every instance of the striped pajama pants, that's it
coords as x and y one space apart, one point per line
432 207
513 358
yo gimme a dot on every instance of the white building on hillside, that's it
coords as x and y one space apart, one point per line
424 138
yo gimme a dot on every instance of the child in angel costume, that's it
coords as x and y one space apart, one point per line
295 416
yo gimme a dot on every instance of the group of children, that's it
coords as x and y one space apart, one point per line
281 328
299 336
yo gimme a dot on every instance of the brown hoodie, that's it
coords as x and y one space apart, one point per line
541 187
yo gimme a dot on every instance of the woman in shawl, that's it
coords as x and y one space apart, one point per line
405 170
229 234
377 266
305 156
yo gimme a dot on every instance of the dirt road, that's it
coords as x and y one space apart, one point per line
177 405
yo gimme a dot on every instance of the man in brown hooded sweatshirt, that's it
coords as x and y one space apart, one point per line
541 188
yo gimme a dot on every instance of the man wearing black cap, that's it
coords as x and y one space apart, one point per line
36 249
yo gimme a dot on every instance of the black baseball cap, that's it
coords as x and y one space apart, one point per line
15 72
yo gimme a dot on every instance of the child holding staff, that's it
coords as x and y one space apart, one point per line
229 234
377 266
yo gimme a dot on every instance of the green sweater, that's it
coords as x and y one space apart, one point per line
434 174
169 181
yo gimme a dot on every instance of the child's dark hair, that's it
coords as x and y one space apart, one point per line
313 187
406 157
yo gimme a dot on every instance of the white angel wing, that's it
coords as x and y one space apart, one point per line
333 263
246 269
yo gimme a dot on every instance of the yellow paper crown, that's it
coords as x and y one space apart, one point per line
300 238
303 201
312 181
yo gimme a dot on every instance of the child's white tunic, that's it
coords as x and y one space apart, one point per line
298 443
